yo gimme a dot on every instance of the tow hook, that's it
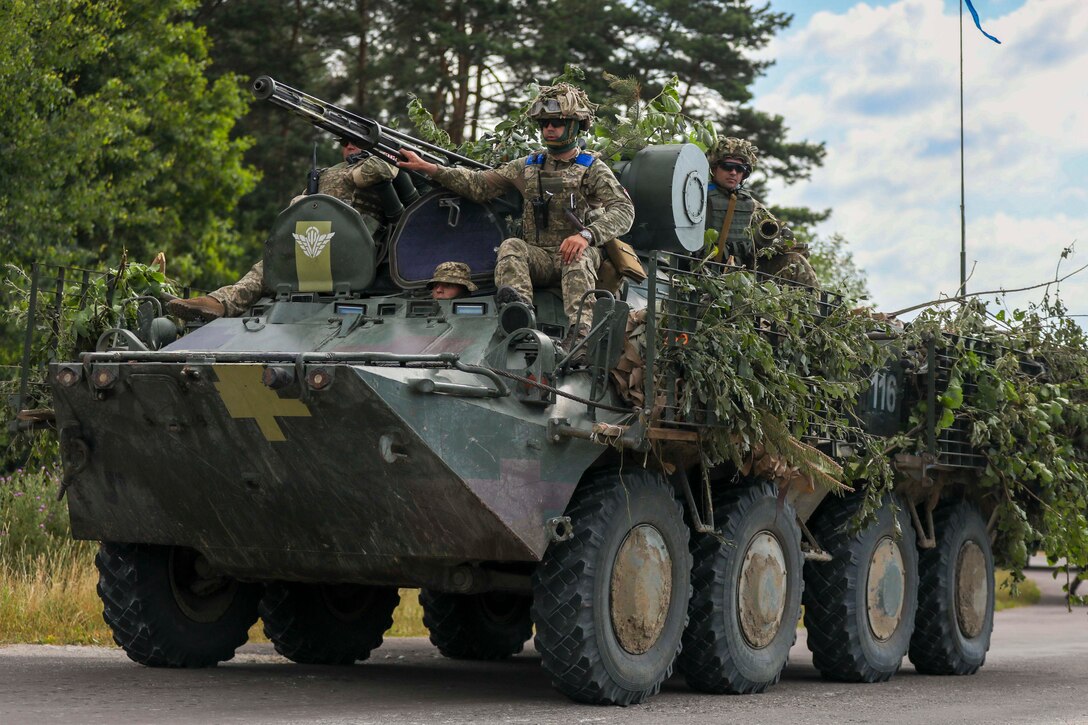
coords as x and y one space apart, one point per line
560 529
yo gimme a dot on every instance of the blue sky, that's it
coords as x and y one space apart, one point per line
802 10
879 83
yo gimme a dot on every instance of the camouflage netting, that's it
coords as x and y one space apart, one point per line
732 147
563 101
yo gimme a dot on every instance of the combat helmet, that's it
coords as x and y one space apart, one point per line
731 146
563 101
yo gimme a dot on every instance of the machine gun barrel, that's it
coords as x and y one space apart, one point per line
365 132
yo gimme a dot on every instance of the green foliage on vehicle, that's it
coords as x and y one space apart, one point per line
66 327
1020 382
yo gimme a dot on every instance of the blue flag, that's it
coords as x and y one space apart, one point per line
974 14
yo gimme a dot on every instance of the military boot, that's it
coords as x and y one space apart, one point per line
207 308
506 294
577 336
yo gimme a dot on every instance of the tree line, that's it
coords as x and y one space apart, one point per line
128 123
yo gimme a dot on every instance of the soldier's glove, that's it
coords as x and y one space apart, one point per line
205 307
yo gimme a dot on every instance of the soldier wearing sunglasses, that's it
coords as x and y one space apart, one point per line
739 217
573 206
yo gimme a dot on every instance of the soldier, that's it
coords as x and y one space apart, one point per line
451 280
348 181
573 205
736 214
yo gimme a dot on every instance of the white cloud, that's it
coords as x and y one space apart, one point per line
880 86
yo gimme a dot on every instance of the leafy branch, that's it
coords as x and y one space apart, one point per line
999 291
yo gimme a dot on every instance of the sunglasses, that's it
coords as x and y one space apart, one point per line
556 122
731 166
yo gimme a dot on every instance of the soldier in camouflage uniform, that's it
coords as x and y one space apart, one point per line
736 215
451 280
349 181
573 205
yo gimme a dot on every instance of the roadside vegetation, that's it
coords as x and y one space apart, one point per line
1011 593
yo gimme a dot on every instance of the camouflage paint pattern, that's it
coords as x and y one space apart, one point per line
364 480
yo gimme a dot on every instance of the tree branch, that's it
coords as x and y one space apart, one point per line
999 291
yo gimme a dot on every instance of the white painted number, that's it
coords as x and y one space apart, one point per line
882 392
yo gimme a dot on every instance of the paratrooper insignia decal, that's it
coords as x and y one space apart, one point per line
312 242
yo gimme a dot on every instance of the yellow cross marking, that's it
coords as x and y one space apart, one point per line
246 396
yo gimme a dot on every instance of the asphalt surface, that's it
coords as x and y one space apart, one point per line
1036 672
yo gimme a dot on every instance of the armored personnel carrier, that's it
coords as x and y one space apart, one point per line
349 436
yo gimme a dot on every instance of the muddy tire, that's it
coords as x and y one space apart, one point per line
746 594
487 626
327 624
860 606
610 603
165 613
956 595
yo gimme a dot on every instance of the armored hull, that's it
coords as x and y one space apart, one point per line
381 456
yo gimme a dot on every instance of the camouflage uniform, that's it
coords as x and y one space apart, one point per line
453 273
748 214
600 202
348 182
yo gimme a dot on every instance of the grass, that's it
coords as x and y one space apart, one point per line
407 619
52 599
47 580
1010 594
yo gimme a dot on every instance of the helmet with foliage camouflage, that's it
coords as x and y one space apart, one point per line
733 147
563 101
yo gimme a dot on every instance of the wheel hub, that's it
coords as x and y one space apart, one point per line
761 591
885 589
641 589
200 595
972 589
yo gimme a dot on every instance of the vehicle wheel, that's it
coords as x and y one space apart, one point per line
167 610
859 607
327 624
486 626
746 594
956 595
610 603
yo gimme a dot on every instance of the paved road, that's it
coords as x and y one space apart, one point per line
1036 672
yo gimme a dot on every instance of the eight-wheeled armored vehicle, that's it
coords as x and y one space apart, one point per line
349 436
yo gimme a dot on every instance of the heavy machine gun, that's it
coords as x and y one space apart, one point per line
366 133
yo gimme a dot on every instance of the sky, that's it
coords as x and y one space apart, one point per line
878 82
